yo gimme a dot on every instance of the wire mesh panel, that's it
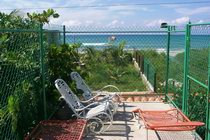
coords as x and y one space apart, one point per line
176 56
20 100
198 73
107 54
198 63
197 105
176 65
149 72
54 34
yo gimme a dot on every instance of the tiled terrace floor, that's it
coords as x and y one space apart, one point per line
126 127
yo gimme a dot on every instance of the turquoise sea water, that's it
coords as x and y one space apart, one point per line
140 41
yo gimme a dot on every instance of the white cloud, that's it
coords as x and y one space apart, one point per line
180 21
89 23
72 23
157 23
200 21
105 16
102 16
81 17
126 13
80 2
154 23
186 11
93 16
115 23
172 5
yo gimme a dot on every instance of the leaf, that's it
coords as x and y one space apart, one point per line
56 15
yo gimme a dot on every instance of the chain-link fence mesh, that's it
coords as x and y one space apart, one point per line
102 56
176 65
176 56
21 100
198 70
150 73
111 50
198 55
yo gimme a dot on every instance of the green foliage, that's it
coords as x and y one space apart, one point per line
196 103
116 55
21 60
158 62
63 60
116 74
197 69
44 16
197 94
111 65
15 21
21 105
24 107
13 108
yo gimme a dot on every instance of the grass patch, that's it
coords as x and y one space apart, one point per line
128 81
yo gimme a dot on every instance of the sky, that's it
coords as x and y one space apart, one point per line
115 16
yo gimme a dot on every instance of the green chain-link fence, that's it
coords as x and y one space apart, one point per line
198 76
121 43
188 72
147 70
176 64
103 56
21 102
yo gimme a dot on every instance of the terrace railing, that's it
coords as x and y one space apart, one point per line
147 70
22 80
192 67
23 68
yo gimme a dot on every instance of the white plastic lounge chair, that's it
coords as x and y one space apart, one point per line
87 93
99 116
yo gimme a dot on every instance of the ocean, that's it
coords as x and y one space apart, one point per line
137 42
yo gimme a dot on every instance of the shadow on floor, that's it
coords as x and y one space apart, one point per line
123 116
122 123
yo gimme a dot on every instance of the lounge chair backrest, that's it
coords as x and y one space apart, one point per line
71 99
81 85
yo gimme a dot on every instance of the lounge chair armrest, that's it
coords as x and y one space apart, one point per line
91 99
87 107
87 101
109 86
179 124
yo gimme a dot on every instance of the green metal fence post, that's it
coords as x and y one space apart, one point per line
207 136
186 65
42 69
137 54
155 82
147 71
64 34
142 64
167 61
139 60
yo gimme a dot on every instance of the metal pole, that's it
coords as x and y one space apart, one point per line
186 65
207 136
167 61
147 71
142 64
199 24
139 60
42 69
64 34
155 83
